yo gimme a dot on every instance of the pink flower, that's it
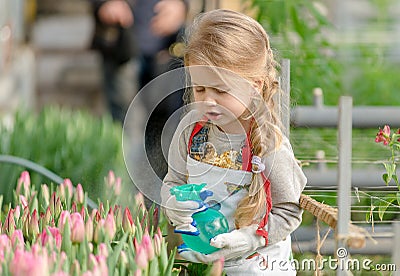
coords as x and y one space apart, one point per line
9 223
34 224
64 218
89 229
69 187
383 135
110 179
148 246
17 239
127 221
103 251
28 263
79 194
24 182
45 194
117 186
109 226
77 228
55 235
141 257
157 244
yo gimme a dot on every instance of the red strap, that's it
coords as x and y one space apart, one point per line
196 129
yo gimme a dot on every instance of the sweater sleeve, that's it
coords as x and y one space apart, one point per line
177 173
287 183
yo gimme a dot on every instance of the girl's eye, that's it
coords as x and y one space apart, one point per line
199 89
220 91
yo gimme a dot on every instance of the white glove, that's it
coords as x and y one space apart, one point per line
233 245
180 214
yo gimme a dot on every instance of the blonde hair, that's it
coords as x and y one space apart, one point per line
234 41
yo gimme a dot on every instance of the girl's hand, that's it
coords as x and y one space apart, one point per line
233 245
180 214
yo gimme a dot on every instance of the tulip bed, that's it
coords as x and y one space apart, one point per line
52 231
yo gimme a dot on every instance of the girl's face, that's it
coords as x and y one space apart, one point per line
222 97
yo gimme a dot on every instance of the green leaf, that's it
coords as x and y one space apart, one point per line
112 260
398 198
385 178
66 240
383 206
168 270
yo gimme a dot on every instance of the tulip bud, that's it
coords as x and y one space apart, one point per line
127 221
123 258
89 229
9 223
77 228
109 226
117 186
148 246
110 179
23 184
79 194
103 251
141 257
34 224
17 213
69 188
157 245
17 239
64 217
99 231
75 268
23 201
45 194
58 208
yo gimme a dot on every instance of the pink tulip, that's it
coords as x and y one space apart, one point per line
28 263
148 246
17 213
77 228
5 245
55 236
118 215
17 239
45 194
34 224
109 226
141 257
69 188
117 186
127 221
24 182
110 179
79 194
23 201
103 250
89 229
97 236
157 245
64 217
9 223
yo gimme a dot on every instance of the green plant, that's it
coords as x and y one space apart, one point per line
51 231
69 143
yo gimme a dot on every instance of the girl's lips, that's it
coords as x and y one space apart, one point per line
213 115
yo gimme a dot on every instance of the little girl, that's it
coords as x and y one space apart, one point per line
231 140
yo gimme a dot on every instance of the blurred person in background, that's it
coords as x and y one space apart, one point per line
145 33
